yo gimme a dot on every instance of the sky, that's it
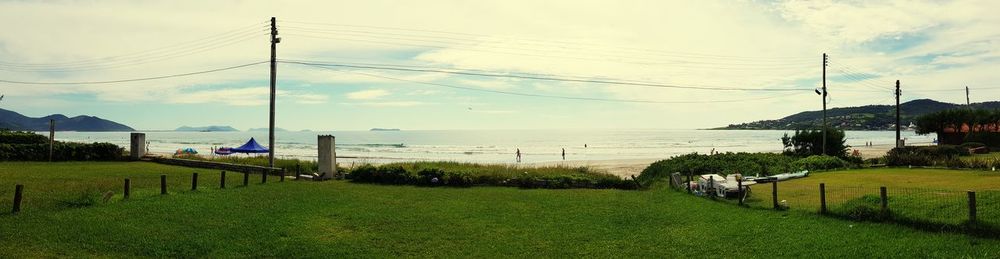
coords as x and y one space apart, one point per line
617 64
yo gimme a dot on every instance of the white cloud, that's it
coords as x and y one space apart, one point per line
389 104
691 43
367 94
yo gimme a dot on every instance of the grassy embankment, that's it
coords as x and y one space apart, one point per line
342 219
933 195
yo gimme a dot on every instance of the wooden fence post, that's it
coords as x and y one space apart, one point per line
688 183
885 201
246 178
163 184
128 188
298 171
282 179
263 175
822 198
972 207
711 186
222 180
739 189
18 191
774 194
194 182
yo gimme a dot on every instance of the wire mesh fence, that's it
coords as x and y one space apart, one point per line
988 208
925 207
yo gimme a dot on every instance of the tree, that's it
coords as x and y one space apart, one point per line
810 142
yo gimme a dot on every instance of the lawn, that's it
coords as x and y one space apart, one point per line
932 195
343 219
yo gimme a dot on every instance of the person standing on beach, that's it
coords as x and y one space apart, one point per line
564 153
518 155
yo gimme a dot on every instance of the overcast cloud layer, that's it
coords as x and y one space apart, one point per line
935 48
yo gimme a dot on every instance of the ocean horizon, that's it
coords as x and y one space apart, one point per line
488 146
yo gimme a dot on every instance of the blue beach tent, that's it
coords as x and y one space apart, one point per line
250 147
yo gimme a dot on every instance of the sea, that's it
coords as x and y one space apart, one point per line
488 146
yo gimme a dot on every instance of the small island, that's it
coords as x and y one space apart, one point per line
266 129
383 129
205 129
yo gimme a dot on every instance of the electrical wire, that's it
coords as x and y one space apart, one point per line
134 79
546 42
530 77
552 96
614 53
483 50
158 54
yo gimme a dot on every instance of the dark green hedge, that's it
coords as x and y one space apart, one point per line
465 175
813 163
62 151
941 155
22 137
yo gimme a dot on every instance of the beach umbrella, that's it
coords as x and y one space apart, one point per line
250 147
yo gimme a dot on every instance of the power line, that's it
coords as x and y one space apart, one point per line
548 42
551 96
139 61
594 81
493 44
487 50
133 79
158 54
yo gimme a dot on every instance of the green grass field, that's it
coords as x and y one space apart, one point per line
342 219
932 195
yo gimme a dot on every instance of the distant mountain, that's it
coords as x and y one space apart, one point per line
869 117
16 121
276 129
206 128
382 129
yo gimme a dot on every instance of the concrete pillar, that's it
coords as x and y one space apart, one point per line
138 145
327 156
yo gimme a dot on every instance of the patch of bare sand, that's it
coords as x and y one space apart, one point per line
624 168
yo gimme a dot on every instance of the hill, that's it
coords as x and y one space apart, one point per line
16 121
869 117
206 128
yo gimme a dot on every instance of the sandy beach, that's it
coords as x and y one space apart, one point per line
624 168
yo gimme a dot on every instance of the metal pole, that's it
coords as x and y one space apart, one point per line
274 68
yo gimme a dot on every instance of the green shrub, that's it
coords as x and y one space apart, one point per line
87 198
465 175
941 155
724 163
22 137
364 173
430 177
812 163
810 142
61 151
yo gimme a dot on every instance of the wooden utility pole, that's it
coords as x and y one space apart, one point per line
52 137
967 102
274 67
897 113
824 103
